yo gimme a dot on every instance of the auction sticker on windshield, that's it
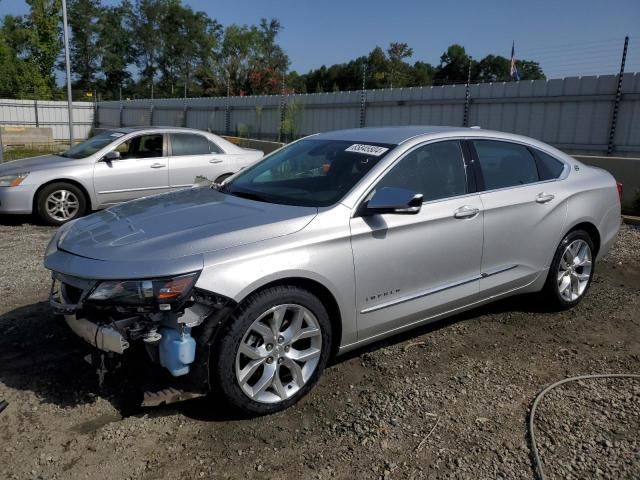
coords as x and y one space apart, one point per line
374 150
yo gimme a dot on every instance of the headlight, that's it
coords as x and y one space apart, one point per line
144 292
13 180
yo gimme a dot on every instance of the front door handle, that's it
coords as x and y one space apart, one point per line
215 160
545 197
158 165
466 211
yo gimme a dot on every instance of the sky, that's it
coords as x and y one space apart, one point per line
568 37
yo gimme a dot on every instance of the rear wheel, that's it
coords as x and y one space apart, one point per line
223 177
273 350
61 202
571 270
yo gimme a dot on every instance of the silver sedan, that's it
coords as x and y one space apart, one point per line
116 166
333 242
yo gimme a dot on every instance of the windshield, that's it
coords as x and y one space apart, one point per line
92 145
312 172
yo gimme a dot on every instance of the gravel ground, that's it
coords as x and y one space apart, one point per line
450 400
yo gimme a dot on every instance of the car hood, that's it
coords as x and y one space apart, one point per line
33 164
180 224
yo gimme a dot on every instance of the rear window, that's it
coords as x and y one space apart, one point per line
505 164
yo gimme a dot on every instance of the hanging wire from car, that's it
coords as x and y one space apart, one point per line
537 463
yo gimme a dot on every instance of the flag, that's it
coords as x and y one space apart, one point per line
513 72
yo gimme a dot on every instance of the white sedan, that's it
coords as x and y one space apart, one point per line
116 166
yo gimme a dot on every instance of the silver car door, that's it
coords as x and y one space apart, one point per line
524 215
411 267
140 171
192 155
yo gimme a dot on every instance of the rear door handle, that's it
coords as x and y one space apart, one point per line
158 165
466 211
545 197
215 160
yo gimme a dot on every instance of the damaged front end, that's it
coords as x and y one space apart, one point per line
168 319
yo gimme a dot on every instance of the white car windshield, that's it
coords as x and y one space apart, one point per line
92 145
310 172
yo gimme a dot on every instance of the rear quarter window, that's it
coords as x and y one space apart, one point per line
549 168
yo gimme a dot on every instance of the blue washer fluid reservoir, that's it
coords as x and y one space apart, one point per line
177 350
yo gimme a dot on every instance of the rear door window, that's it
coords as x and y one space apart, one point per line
189 144
505 164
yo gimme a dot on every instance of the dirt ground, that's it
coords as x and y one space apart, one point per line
450 400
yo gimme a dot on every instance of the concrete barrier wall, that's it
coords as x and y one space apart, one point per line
572 113
625 170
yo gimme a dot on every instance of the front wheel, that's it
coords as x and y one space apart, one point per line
60 202
272 350
571 270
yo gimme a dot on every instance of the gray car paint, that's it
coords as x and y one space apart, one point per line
120 180
506 249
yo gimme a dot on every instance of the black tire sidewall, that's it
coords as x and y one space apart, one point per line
226 346
551 286
223 177
48 190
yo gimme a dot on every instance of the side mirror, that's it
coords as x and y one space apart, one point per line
394 200
111 156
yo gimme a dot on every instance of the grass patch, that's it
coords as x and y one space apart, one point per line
16 153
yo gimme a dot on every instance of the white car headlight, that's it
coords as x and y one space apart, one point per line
12 180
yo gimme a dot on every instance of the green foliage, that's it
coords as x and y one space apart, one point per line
244 130
290 129
173 50
84 49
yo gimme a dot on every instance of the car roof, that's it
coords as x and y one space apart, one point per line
145 129
393 135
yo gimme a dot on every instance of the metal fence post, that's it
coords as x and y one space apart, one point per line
185 109
467 98
35 106
282 112
616 102
363 97
1 147
151 114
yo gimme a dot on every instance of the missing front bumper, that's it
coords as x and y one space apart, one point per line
104 338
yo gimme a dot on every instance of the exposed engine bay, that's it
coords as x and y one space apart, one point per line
172 322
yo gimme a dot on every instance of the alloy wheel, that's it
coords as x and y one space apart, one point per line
279 353
62 205
574 270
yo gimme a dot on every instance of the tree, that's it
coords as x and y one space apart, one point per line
493 68
268 62
454 66
237 44
83 49
18 77
43 42
530 70
397 52
115 38
148 14
189 39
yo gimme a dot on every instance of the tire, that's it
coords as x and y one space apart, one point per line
271 361
223 177
60 202
574 263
